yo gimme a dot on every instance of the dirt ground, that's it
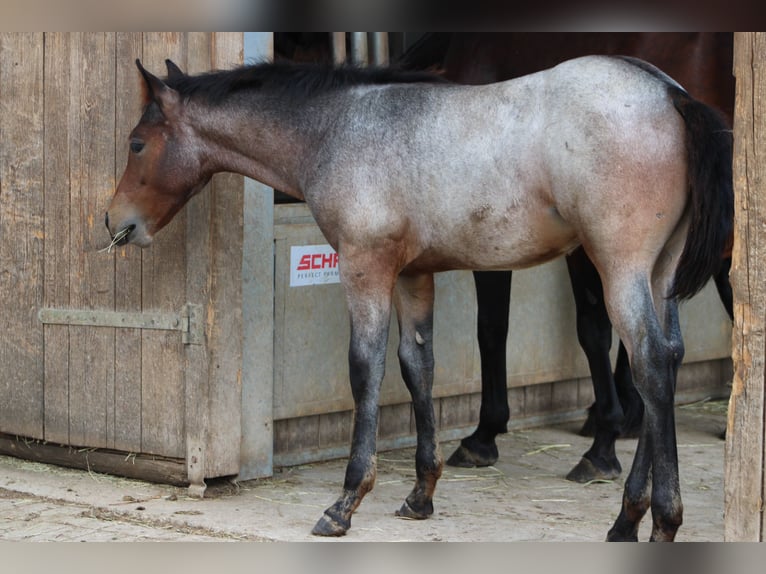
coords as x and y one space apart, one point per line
524 497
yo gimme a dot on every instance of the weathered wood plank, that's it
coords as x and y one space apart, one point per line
335 429
257 428
564 396
198 279
125 429
458 411
92 108
21 232
144 467
225 340
163 288
537 398
57 233
744 480
395 420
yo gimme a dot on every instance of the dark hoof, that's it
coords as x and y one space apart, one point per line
466 457
406 511
613 536
331 526
586 471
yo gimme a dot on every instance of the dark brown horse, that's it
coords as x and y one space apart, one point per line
702 63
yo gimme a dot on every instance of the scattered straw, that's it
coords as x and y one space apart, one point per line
708 405
546 448
275 501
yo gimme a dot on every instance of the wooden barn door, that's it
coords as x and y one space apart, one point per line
745 474
134 351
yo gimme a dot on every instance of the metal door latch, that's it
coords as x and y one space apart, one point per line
189 321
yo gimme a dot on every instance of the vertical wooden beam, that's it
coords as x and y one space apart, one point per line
744 477
225 341
257 442
200 259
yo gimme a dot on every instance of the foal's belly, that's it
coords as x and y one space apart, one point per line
490 241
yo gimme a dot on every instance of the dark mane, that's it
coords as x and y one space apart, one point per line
290 80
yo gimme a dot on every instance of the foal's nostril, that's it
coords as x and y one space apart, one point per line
106 221
125 234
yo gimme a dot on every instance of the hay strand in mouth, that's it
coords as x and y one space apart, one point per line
116 239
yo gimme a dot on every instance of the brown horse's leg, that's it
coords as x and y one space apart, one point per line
414 297
493 296
368 288
594 333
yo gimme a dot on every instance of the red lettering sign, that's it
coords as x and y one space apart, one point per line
305 263
317 261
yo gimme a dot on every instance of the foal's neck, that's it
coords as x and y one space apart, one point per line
267 143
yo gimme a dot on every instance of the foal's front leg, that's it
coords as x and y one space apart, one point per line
368 291
414 298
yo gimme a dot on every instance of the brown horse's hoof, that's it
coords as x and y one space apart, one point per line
406 511
331 526
464 457
586 471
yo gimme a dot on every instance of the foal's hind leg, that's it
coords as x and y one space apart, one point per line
414 298
493 295
655 353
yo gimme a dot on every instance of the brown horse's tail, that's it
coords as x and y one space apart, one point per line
711 207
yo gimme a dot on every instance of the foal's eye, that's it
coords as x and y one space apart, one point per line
136 146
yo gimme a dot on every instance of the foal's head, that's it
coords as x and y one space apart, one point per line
165 165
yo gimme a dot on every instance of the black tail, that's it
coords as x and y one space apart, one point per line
711 209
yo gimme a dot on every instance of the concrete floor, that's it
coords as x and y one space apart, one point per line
523 497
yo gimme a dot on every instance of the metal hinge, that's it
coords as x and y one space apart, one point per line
189 321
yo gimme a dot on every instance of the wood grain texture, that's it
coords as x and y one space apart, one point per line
58 248
225 336
163 288
91 130
744 480
68 102
198 279
144 467
125 433
21 232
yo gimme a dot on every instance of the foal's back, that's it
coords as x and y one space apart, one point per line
512 174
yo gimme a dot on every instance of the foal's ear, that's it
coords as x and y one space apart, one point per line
174 72
155 90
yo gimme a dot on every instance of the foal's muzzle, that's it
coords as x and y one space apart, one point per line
122 236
